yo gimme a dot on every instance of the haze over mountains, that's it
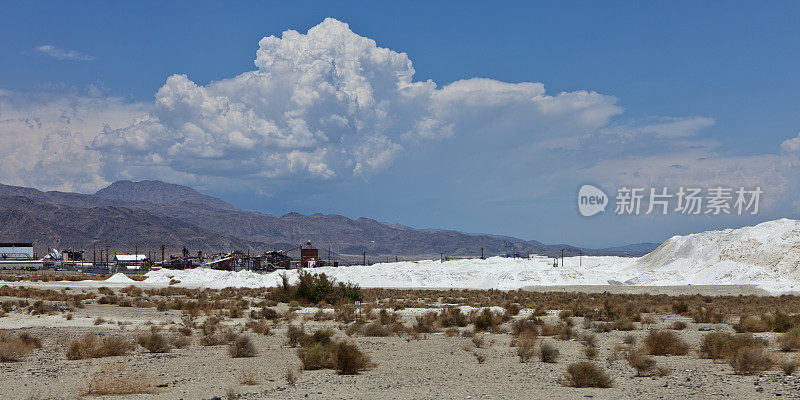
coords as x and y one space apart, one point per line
148 214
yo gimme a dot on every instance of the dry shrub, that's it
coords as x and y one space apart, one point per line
179 341
114 381
293 335
425 323
624 324
750 323
451 316
292 375
316 356
89 346
349 360
629 339
589 339
374 329
242 347
526 346
15 347
749 360
644 364
790 341
586 374
548 353
549 329
486 320
479 341
521 326
789 366
590 352
479 357
678 325
723 345
258 327
661 343
249 378
154 343
451 332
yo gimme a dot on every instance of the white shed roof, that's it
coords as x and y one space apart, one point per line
130 257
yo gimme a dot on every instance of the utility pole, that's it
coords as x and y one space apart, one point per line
562 257
580 260
482 258
364 255
162 255
441 257
107 265
94 254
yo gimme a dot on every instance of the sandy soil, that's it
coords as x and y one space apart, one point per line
433 367
706 290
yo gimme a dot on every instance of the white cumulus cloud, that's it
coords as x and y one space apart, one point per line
332 104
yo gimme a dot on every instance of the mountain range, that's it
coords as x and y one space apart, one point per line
144 215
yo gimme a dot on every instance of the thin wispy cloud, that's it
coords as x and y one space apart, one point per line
58 53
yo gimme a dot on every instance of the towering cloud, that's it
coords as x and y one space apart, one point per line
331 104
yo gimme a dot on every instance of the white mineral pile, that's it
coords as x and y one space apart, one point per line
766 255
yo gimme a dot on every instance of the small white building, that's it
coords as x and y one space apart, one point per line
130 261
16 251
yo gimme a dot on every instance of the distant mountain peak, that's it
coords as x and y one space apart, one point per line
158 192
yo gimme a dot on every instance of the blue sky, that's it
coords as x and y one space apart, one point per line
726 75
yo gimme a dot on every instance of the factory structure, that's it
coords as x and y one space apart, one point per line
21 256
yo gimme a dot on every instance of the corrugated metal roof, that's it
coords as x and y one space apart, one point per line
130 257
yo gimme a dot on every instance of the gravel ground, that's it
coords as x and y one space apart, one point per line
434 367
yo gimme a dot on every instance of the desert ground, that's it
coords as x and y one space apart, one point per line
178 343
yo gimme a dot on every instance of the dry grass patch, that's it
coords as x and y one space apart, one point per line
723 345
548 353
790 341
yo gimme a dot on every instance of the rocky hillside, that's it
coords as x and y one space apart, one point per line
151 213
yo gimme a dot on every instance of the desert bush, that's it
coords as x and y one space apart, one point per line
678 325
294 334
524 325
549 329
586 374
750 323
789 366
349 360
624 324
723 345
480 357
526 346
15 347
660 343
590 352
629 339
451 316
248 378
316 356
242 347
114 381
375 329
589 339
790 340
641 362
749 360
425 323
154 343
292 375
486 320
548 353
179 341
479 341
89 346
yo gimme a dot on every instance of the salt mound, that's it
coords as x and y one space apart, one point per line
119 277
767 255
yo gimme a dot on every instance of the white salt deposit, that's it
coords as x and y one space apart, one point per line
766 255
